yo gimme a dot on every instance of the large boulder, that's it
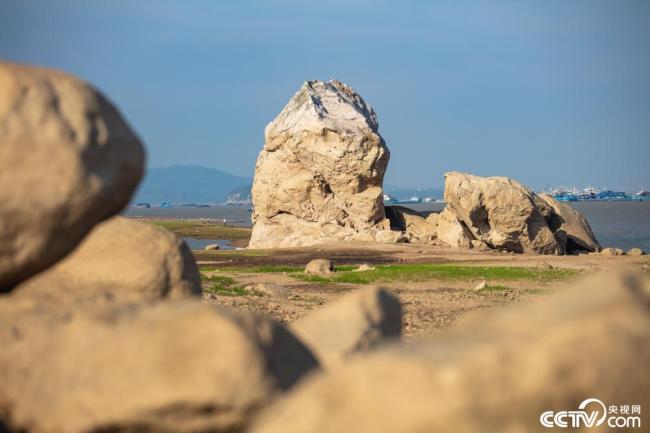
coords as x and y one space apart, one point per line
499 371
570 227
503 214
178 366
319 176
356 323
120 260
67 161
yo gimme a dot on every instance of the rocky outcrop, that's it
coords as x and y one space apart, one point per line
356 323
503 214
120 260
319 176
179 366
496 372
67 161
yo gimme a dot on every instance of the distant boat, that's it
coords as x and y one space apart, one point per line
389 198
166 204
415 199
643 193
143 204
589 194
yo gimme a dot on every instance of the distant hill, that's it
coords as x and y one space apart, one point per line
188 184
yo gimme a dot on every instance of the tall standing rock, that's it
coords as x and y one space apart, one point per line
67 161
319 177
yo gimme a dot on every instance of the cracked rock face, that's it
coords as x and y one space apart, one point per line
502 213
319 176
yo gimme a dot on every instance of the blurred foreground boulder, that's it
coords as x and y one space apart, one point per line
67 161
120 260
354 324
498 371
178 366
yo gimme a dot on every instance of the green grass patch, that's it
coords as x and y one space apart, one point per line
413 273
426 272
201 229
226 286
236 253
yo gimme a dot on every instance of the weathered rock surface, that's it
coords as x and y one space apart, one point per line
356 323
319 176
635 252
120 260
569 224
497 372
450 230
415 227
179 366
319 266
67 161
503 214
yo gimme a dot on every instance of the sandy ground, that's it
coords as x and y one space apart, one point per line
428 306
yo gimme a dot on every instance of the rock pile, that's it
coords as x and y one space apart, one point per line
497 213
101 326
112 337
319 176
497 371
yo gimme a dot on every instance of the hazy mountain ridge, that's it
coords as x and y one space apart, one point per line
188 184
197 184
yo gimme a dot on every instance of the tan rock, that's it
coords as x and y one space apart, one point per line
566 222
179 366
364 268
480 286
612 252
120 260
501 212
416 228
498 371
212 247
319 177
319 266
356 323
635 252
67 161
452 231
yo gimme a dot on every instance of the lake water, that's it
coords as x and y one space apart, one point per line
622 224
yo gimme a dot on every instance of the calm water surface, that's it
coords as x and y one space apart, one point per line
615 224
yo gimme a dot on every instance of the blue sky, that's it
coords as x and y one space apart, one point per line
551 92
